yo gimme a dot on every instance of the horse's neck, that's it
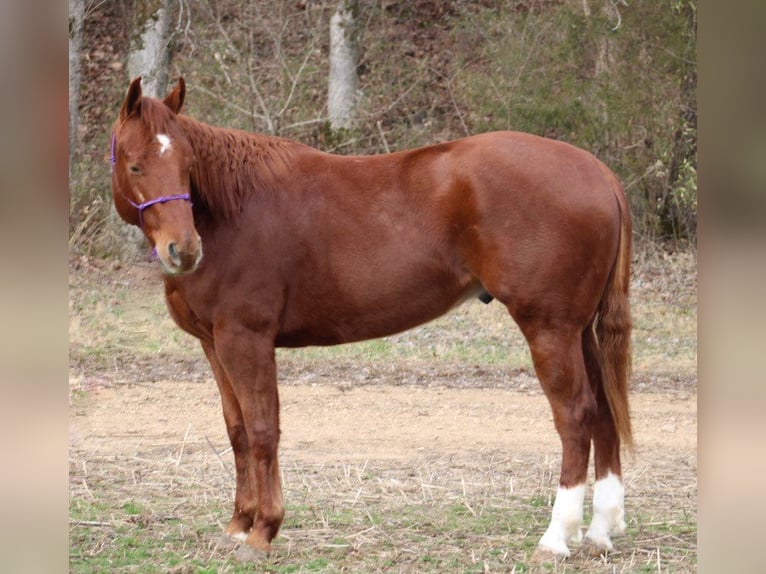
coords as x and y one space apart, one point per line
231 164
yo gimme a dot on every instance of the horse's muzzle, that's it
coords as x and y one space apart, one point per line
180 256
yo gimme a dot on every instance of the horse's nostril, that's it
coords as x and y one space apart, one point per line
173 254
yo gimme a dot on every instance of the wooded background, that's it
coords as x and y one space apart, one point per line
615 77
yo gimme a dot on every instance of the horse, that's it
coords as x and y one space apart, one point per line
303 247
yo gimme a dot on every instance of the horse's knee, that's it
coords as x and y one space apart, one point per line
263 440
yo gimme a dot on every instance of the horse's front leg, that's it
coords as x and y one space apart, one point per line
248 360
241 522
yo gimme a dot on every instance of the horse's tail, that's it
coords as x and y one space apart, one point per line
613 327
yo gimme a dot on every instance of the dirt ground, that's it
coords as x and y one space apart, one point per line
328 423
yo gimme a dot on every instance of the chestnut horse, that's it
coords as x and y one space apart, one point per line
302 247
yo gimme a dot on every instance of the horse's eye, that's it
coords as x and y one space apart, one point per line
134 169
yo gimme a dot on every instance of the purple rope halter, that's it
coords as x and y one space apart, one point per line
142 206
162 199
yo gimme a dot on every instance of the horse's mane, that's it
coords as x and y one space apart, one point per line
229 164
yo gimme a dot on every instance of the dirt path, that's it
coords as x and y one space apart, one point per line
330 423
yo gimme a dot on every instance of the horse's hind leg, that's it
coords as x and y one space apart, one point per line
608 491
241 521
559 363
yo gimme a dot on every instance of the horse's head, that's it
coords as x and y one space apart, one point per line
151 162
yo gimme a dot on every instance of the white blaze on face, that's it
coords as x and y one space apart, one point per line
164 143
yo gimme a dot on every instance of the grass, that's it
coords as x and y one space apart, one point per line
119 318
443 515
664 309
474 333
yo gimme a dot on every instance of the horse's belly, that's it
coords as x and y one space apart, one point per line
359 318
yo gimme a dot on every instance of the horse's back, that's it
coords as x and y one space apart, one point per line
529 168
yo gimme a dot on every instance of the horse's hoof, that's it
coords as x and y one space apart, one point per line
246 553
593 548
543 554
258 541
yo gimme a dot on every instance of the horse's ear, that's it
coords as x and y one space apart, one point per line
175 99
132 104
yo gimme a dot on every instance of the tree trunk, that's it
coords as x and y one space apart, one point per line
76 19
604 59
150 48
149 57
342 84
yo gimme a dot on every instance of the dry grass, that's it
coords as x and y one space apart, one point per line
481 513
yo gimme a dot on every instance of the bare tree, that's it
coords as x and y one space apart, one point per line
343 79
76 19
150 47
267 60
